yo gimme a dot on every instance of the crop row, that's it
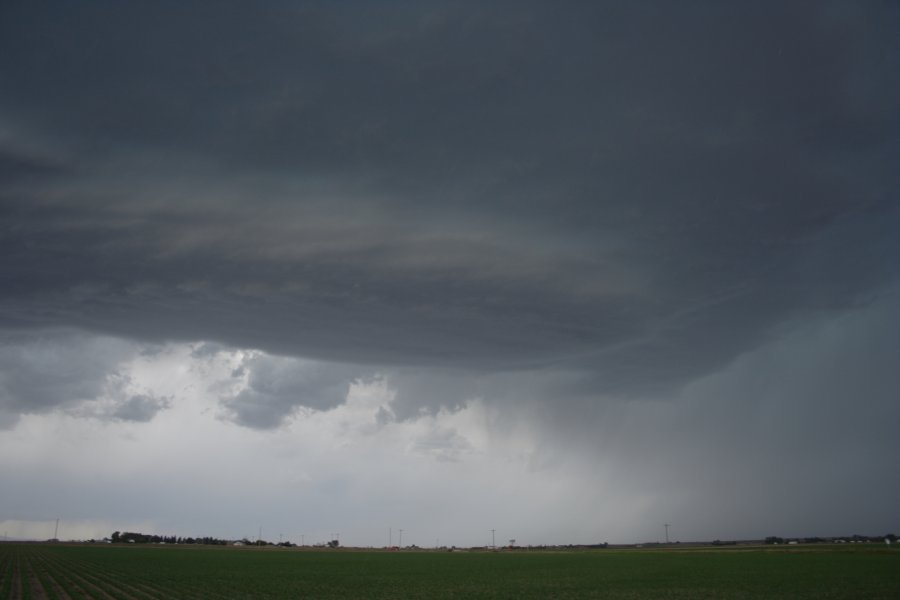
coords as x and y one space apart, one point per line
34 572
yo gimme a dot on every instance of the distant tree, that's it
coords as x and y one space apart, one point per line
145 538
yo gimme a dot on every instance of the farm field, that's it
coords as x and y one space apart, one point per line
62 571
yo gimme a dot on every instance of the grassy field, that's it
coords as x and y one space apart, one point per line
35 571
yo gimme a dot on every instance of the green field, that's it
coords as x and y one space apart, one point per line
161 572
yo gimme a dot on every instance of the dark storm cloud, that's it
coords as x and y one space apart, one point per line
635 194
24 166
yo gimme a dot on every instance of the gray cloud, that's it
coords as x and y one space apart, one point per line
782 439
82 374
140 408
442 444
421 392
276 387
206 350
56 369
455 189
810 419
452 188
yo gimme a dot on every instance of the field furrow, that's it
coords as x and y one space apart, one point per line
37 588
91 586
51 589
56 579
82 588
143 586
105 590
80 579
18 586
112 585
83 581
22 585
73 584
108 589
6 573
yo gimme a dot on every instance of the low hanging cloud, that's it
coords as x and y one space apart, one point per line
56 370
82 374
274 388
443 444
140 408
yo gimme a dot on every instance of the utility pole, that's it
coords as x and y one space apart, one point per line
667 532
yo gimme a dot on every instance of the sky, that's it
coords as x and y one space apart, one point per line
558 273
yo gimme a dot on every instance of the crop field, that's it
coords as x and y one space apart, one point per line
63 571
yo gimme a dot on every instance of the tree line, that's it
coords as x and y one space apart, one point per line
130 537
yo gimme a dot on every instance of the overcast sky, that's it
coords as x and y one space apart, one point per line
566 271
